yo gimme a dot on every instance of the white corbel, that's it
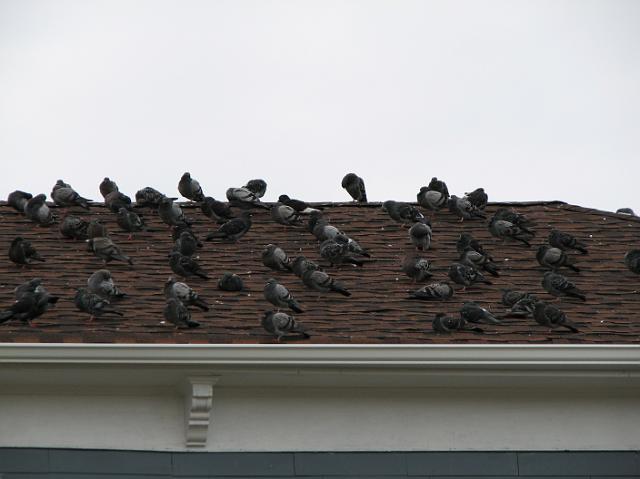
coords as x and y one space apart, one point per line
198 404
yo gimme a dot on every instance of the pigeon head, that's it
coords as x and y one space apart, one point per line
348 179
283 198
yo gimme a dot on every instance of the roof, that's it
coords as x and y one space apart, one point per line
378 310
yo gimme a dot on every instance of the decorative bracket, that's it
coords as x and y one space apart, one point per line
198 404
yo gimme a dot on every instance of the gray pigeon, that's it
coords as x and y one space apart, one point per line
565 241
523 307
22 252
297 205
301 265
233 229
431 199
130 221
216 210
632 260
149 197
474 313
355 187
275 258
185 266
626 211
558 285
29 305
28 287
74 227
257 187
518 219
187 243
278 295
433 291
101 283
504 229
93 304
244 198
178 314
107 186
281 324
96 229
402 212
18 200
477 198
116 200
171 213
38 211
190 188
417 268
107 250
554 258
447 324
177 230
320 227
337 252
464 209
512 296
548 315
285 215
467 242
318 280
64 195
183 293
479 261
230 282
438 185
466 275
420 236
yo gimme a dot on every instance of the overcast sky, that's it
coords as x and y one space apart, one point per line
533 100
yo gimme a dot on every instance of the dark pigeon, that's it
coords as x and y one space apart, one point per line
464 209
433 292
447 324
318 280
38 211
402 212
258 187
185 266
632 260
101 283
467 242
301 265
276 258
548 315
64 195
479 261
177 231
626 211
518 219
512 296
190 188
187 243
432 199
28 287
466 275
22 252
107 186
149 197
130 221
337 252
185 294
474 313
420 236
171 213
230 282
18 200
554 259
105 249
96 230
29 305
558 285
244 198
116 200
297 205
216 210
504 229
93 304
478 198
417 268
355 187
278 295
178 314
285 215
565 241
233 229
281 324
74 227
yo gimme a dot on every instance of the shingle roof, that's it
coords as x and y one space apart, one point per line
377 312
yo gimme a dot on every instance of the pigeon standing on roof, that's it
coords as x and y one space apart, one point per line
479 261
18 200
558 285
464 209
431 199
130 221
28 287
190 188
276 258
107 186
22 252
258 187
504 229
187 243
402 212
278 295
96 229
440 291
101 283
565 241
244 198
230 282
320 281
116 200
299 206
466 275
74 227
417 268
447 324
355 187
467 242
171 213
281 324
548 315
474 313
626 211
29 305
478 198
518 219
301 265
632 260
184 293
38 211
105 249
554 258
149 197
178 314
233 229
420 236
512 296
64 195
337 252
285 215
216 210
93 304
185 266
320 227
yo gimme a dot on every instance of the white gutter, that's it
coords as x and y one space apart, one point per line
482 356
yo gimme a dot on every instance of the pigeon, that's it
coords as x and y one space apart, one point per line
216 210
178 314
93 304
337 252
523 307
504 229
320 228
301 265
320 281
352 245
275 258
479 261
554 258
244 198
149 197
74 227
432 199
280 324
417 268
548 315
512 296
558 285
446 324
183 293
518 219
474 313
177 231
433 291
116 200
171 213
105 249
466 242
401 212
466 275
18 200
233 229
28 287
438 185
38 211
285 215
257 187
130 221
101 283
632 260
626 211
478 198
107 186
565 241
230 282
278 295
29 305
185 266
96 230
21 252
464 209
297 205
420 236
187 243
355 187
190 188
64 195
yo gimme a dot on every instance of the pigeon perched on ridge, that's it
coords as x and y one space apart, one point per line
29 305
518 219
432 199
420 236
285 215
230 282
301 265
178 314
185 266
187 243
632 260
64 195
440 291
93 304
257 187
101 283
130 221
417 268
318 280
278 295
297 205
548 315
558 285
479 261
107 186
22 252
18 200
474 313
477 198
565 241
116 200
402 212
149 197
466 275
244 198
464 209
554 258
184 293
276 258
626 211
337 252
355 187
74 227
233 229
38 211
504 229
171 213
281 324
190 188
105 249
216 210
96 229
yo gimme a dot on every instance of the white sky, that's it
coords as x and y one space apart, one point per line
534 100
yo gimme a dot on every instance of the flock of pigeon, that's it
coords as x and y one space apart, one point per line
335 246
